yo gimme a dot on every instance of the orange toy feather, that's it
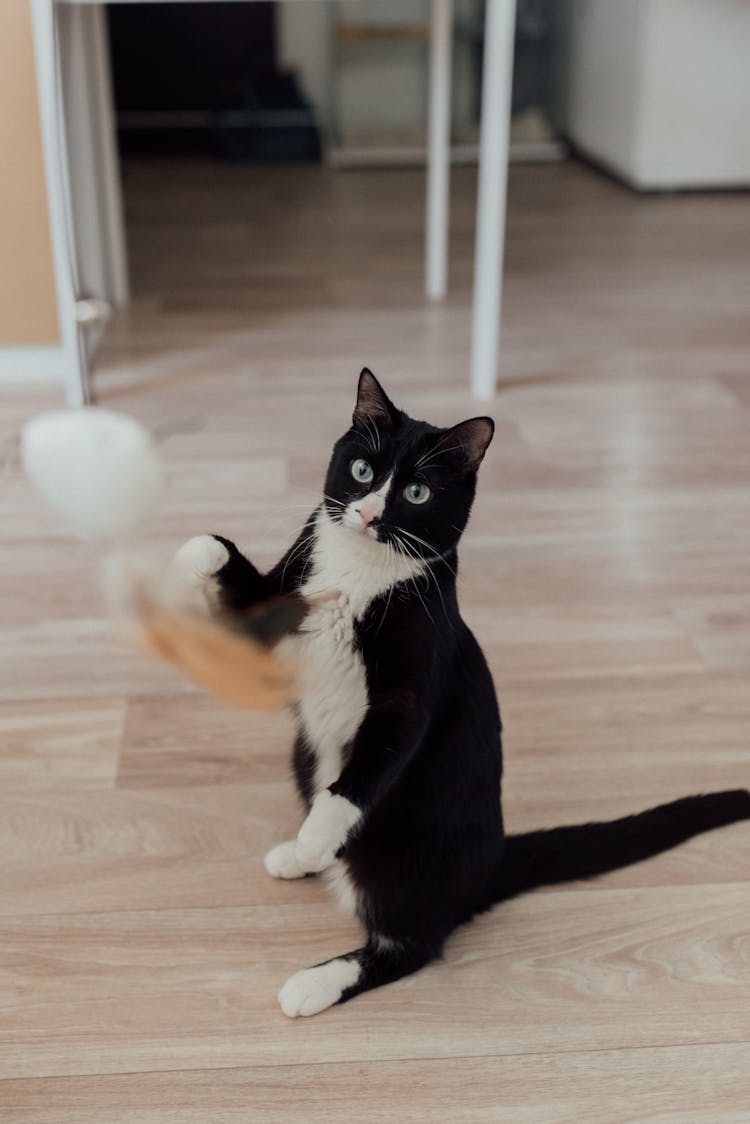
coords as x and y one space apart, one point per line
228 663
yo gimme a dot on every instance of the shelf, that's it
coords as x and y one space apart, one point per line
360 33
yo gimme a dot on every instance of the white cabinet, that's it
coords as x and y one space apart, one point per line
659 90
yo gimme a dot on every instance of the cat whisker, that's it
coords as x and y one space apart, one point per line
371 424
439 592
435 557
410 554
312 498
431 458
315 504
429 573
434 449
390 558
372 433
295 551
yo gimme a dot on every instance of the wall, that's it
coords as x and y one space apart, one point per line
28 303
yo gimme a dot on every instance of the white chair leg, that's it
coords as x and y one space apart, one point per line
493 178
438 155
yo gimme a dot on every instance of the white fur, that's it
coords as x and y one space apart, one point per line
190 581
325 829
342 888
98 469
281 861
354 563
383 943
313 989
349 562
333 694
359 514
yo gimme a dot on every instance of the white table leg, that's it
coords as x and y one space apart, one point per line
438 156
493 178
46 24
117 290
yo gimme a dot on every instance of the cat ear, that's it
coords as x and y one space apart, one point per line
373 404
470 440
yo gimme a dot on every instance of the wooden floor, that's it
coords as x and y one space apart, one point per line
606 571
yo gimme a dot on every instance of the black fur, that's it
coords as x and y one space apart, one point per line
426 763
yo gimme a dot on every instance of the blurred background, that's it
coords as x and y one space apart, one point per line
180 121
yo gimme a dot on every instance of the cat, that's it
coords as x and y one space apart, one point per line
397 757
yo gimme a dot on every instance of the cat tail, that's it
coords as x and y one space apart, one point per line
234 662
565 854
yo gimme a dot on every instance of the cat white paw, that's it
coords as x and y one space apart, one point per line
325 830
191 576
313 989
281 861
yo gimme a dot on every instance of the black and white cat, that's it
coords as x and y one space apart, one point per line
398 753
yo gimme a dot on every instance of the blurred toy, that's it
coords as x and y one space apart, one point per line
100 470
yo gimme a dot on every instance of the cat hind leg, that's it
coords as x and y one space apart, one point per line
383 960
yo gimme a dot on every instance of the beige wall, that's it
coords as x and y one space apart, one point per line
28 303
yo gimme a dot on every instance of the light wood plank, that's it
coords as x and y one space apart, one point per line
612 1085
53 745
552 972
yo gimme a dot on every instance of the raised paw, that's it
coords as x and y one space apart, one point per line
191 577
313 989
281 861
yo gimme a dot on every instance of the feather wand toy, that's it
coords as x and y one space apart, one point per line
101 472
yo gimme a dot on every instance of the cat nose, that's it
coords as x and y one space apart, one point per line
370 512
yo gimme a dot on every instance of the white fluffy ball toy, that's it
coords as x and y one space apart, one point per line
101 472
98 469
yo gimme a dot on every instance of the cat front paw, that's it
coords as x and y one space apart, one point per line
282 862
325 831
191 580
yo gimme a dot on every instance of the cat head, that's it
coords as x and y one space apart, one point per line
404 482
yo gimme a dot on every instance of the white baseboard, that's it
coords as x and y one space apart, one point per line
37 364
415 155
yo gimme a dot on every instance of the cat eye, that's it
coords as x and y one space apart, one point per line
362 471
417 493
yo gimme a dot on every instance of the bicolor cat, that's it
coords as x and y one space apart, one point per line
397 757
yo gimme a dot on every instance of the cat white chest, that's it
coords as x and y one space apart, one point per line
333 695
347 571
